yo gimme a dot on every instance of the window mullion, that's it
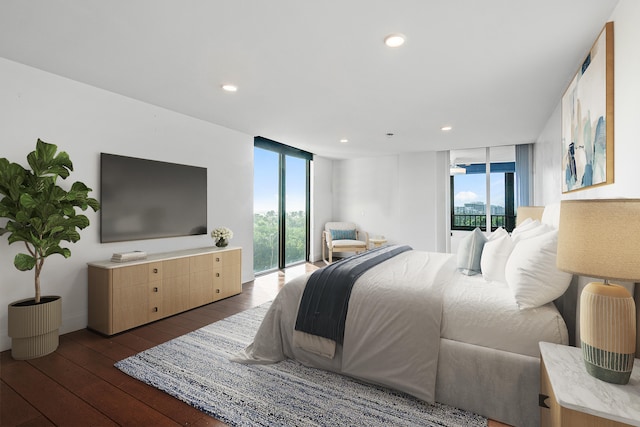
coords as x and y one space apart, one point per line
488 189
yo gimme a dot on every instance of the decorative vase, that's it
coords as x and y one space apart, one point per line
608 331
222 242
33 328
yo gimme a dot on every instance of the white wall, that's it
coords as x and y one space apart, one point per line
548 149
85 121
321 204
400 197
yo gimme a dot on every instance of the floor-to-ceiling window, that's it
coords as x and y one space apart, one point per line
266 188
281 205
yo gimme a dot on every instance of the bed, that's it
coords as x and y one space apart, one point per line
424 324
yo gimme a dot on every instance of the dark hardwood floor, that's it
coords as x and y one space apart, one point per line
78 385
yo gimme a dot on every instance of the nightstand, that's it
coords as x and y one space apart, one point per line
569 396
377 241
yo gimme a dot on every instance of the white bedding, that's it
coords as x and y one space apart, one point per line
485 313
398 313
392 330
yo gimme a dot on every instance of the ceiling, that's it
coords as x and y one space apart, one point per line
311 73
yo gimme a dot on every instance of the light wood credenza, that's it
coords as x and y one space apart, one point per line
129 294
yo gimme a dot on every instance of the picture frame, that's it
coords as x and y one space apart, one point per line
588 119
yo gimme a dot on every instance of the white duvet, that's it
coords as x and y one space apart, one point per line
392 330
486 314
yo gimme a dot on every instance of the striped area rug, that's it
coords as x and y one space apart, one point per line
195 369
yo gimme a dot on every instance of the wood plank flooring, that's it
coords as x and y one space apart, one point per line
78 385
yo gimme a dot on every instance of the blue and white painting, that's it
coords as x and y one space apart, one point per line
584 123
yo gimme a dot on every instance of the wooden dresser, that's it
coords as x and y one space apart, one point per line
129 294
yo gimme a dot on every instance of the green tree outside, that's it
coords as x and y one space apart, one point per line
265 239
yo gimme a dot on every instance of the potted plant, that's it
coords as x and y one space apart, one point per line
42 215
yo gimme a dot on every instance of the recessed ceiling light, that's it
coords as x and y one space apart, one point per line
446 128
344 140
394 40
230 88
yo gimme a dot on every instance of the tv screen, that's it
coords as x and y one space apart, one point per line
148 199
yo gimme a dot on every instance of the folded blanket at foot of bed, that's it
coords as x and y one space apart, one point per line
325 301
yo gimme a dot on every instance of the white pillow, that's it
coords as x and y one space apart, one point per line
524 223
531 271
497 234
551 215
529 229
470 252
495 255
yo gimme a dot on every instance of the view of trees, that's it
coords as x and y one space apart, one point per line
469 222
265 239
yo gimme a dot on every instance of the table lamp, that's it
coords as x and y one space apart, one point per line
601 239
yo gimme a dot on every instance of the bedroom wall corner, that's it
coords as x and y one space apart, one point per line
321 203
394 196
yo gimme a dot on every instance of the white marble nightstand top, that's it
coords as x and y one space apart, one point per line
575 389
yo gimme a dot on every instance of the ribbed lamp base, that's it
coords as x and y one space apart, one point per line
608 331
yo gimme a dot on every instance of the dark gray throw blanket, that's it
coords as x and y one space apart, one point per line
325 300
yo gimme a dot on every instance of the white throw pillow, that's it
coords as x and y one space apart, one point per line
528 230
497 234
525 223
531 271
551 215
470 252
495 255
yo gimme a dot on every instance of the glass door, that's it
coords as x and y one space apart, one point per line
281 205
266 217
295 231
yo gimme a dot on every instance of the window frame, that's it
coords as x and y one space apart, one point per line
508 219
283 151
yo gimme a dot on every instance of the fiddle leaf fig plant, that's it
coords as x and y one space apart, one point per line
39 212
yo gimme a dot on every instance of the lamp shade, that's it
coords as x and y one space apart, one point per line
601 238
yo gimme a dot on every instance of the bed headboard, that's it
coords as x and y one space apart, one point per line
533 212
636 296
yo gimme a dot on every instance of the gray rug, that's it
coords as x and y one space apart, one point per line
195 369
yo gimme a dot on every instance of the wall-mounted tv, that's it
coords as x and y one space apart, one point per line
148 199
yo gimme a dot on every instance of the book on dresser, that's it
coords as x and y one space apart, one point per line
128 256
124 295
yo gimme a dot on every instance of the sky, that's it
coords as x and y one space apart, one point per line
266 182
472 188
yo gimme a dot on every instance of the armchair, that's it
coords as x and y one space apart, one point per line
343 237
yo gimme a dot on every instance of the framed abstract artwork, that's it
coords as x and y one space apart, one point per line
587 119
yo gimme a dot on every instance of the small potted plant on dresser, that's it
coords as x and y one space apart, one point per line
42 215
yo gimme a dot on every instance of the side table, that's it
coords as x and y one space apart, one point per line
377 241
569 396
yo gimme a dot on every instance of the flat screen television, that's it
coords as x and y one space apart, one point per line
148 199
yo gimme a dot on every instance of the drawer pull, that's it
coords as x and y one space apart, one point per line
217 291
542 401
155 270
155 289
155 309
217 259
217 274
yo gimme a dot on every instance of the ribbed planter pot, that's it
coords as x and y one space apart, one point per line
33 328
